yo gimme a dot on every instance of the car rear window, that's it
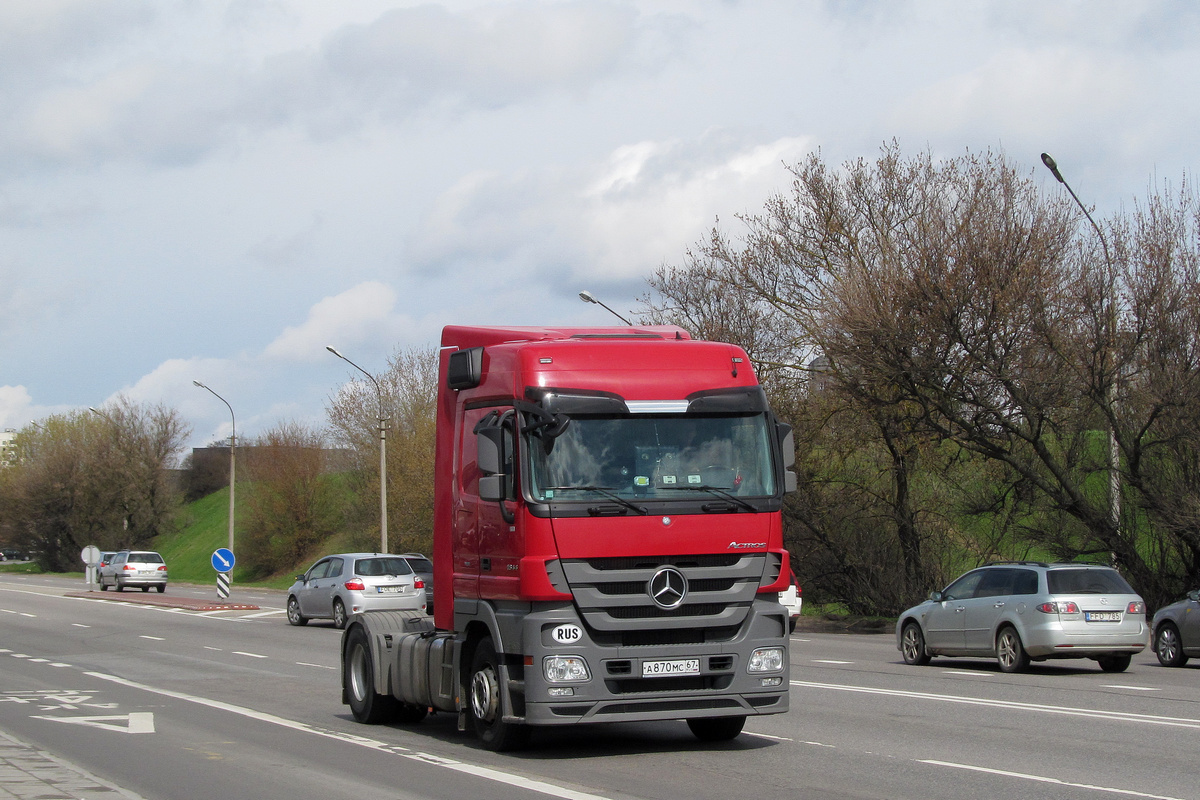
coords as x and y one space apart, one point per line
367 567
421 564
146 558
1086 581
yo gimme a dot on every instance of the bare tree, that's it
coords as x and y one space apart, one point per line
409 392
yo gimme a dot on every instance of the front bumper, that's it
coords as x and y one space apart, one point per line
617 692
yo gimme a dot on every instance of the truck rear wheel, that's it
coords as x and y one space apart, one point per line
358 676
716 729
487 704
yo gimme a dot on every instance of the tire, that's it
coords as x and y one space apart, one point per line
293 612
1118 663
716 729
103 585
1010 653
487 704
1168 646
146 589
120 586
912 645
162 587
339 615
358 676
792 625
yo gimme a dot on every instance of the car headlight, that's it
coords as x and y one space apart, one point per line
766 659
565 669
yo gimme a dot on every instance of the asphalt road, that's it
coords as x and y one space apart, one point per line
171 704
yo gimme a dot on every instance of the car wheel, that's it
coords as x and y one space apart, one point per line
103 585
146 589
486 708
1168 647
1010 653
358 676
716 729
912 645
1114 663
339 614
293 613
792 625
120 586
162 587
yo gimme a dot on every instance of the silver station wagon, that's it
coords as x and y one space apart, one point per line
1029 611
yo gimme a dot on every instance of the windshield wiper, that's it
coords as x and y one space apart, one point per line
718 491
606 491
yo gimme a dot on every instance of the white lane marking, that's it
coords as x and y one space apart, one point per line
1044 779
319 666
966 673
272 612
79 625
362 741
769 736
207 647
135 722
1131 688
251 655
829 661
1119 716
155 638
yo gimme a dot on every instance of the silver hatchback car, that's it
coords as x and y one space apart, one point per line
1177 631
143 569
349 583
1023 611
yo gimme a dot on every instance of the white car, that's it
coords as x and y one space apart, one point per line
791 600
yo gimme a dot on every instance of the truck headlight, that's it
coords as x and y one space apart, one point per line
565 669
766 659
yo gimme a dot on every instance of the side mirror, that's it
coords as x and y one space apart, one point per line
936 597
1194 595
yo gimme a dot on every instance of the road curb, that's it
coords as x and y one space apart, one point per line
163 601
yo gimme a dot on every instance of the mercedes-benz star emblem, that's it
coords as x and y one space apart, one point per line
667 588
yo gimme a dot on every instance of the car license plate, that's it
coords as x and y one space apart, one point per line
1102 616
677 666
389 589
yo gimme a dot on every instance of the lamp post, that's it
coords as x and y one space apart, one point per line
383 533
1114 453
588 297
232 448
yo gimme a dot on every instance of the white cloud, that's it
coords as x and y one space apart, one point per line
350 316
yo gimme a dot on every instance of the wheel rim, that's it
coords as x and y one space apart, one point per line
357 673
1007 649
293 611
1167 644
339 614
485 694
912 643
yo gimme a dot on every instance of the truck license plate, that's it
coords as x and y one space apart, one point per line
1102 616
677 666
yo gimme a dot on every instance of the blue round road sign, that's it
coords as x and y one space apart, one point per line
223 560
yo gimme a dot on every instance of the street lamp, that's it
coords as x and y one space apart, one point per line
383 542
1114 453
232 448
588 297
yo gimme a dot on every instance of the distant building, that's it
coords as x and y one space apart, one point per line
8 447
819 375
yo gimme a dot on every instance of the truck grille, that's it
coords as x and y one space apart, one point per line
613 598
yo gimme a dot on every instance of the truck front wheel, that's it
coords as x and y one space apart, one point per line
487 702
358 676
716 729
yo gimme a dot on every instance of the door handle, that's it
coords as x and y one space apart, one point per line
999 605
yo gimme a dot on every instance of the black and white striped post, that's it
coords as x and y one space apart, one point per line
223 561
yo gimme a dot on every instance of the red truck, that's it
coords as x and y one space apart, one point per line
608 541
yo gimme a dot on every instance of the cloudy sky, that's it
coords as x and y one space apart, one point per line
215 190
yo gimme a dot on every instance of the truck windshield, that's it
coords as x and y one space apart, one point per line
655 457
